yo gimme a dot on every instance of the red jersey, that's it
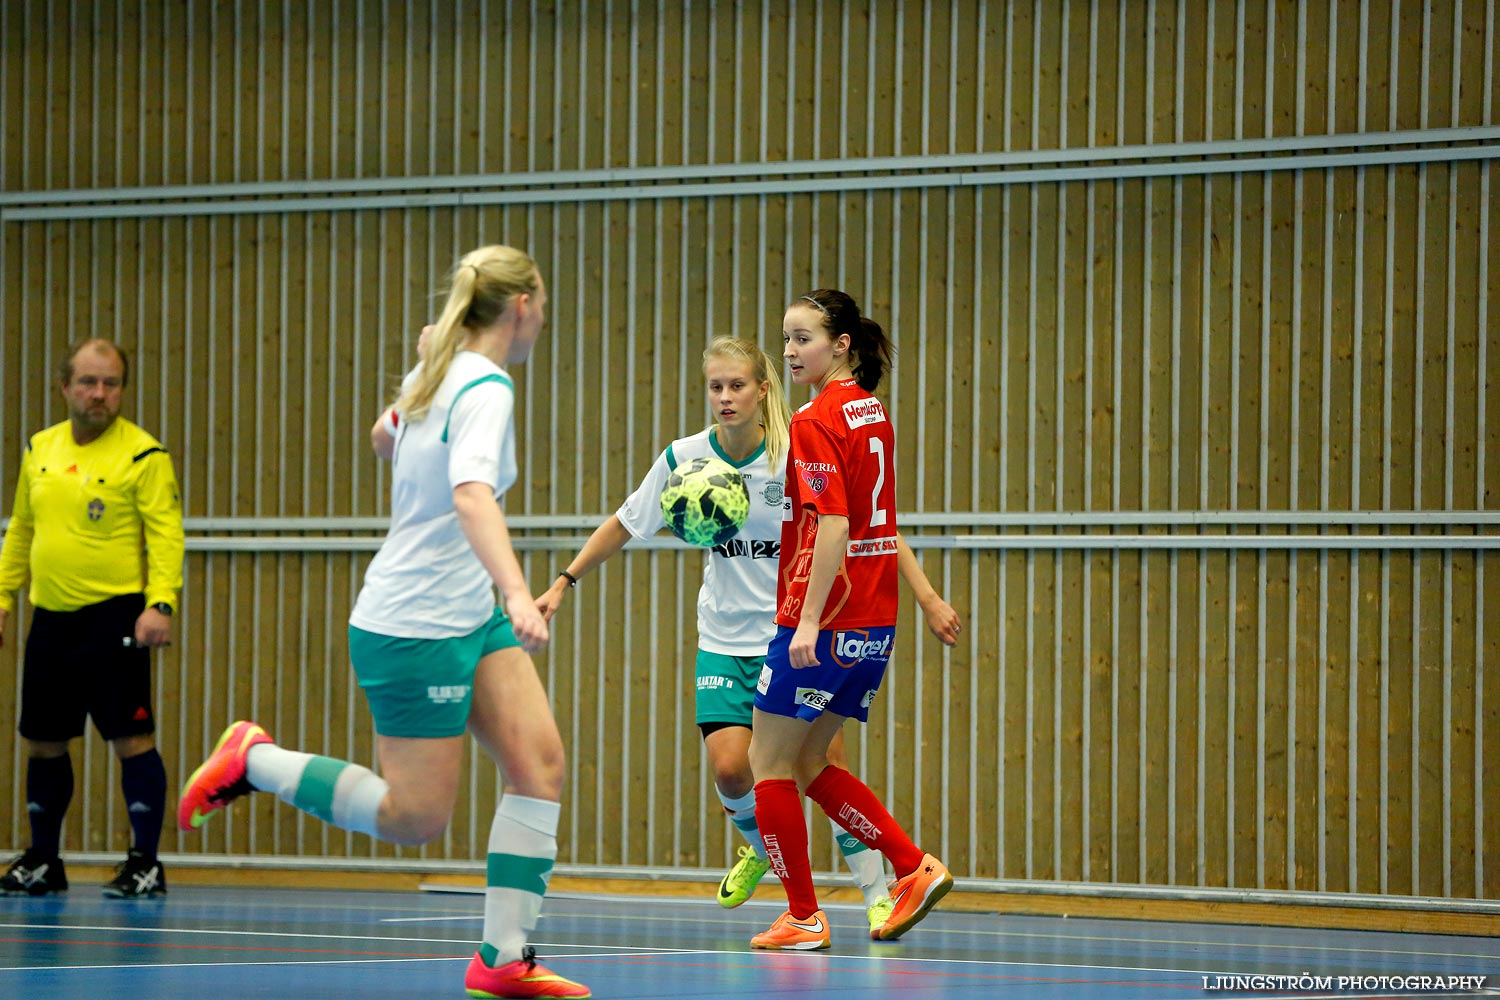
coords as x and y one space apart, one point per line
841 461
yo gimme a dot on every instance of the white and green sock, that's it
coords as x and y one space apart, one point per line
867 866
523 847
336 791
742 814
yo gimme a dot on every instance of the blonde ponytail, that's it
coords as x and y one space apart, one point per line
775 412
482 284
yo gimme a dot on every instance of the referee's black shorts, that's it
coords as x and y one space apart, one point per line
78 664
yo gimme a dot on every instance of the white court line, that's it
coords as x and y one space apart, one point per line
1042 936
422 920
288 934
649 953
1046 936
606 898
638 952
684 952
677 919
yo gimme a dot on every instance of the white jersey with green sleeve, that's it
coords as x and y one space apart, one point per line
737 602
426 582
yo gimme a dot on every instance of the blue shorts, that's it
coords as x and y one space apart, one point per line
851 664
422 688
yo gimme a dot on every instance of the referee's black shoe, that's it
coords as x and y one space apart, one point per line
137 877
34 874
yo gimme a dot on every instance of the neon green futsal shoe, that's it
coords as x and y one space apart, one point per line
879 912
742 879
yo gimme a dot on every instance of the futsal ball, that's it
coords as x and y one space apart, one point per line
705 502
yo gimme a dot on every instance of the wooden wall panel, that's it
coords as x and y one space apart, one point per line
1309 340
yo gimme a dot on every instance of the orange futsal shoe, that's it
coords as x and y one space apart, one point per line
518 980
790 934
220 779
913 896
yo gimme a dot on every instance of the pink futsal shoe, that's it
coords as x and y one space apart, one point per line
518 980
913 896
220 779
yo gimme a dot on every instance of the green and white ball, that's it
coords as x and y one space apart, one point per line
705 502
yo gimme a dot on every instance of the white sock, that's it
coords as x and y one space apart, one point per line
336 791
867 866
742 813
523 846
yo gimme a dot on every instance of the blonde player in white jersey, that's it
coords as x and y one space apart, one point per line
432 652
738 597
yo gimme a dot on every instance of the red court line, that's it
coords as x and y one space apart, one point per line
279 950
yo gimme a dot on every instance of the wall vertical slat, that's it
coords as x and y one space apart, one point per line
1487 804
1419 460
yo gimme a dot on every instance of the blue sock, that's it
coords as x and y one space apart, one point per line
144 780
49 789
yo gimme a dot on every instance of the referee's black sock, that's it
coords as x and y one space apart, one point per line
144 780
49 789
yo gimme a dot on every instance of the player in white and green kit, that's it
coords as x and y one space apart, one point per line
435 656
738 597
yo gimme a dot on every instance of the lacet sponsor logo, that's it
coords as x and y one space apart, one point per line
857 646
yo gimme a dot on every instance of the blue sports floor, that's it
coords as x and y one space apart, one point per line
319 944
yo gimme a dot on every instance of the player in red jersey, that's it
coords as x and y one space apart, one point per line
836 617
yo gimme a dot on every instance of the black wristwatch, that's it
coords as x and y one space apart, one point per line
163 607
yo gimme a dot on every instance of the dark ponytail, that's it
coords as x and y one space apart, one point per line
873 353
873 350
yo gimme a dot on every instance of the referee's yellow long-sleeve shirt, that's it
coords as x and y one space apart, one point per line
93 521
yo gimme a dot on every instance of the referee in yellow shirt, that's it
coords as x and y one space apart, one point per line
97 526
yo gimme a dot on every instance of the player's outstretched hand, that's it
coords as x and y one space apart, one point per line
529 625
550 601
942 620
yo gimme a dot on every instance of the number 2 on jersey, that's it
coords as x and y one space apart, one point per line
877 513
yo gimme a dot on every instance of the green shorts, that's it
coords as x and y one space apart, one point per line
726 687
421 688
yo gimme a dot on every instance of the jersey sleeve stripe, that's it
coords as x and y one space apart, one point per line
493 377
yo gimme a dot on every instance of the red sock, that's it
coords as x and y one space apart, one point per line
850 803
783 828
